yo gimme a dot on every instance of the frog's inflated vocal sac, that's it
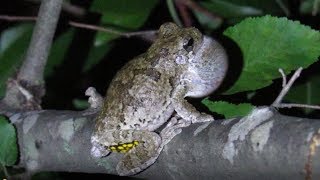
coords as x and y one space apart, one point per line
147 91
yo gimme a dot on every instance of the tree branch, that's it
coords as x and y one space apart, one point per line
33 67
18 18
263 144
30 75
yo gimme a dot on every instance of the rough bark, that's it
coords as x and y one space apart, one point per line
262 145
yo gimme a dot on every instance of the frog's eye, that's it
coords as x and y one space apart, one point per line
188 46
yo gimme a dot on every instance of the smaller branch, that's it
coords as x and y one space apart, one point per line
283 7
94 27
287 87
185 15
173 12
99 28
72 9
194 6
290 105
284 78
84 26
5 171
18 18
315 7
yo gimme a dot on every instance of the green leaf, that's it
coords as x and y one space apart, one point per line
306 93
121 15
269 43
228 9
14 42
227 109
8 143
58 51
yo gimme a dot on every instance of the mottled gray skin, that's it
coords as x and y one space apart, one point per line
149 89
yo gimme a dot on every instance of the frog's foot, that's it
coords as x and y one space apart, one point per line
203 118
173 128
144 154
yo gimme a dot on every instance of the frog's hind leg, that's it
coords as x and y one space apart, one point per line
141 156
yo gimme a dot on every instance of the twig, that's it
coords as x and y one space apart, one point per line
283 7
194 6
290 105
99 28
173 12
315 7
30 74
284 78
5 171
94 27
184 13
85 26
285 88
18 18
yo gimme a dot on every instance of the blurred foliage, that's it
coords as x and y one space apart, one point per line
227 109
8 143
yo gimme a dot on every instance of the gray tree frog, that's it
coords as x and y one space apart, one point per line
150 90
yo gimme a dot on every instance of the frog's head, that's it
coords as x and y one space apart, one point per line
176 44
203 60
200 60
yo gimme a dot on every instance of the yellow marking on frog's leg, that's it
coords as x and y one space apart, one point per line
135 143
112 148
130 145
124 147
146 147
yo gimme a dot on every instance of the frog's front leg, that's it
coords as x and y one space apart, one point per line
185 109
173 128
141 149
